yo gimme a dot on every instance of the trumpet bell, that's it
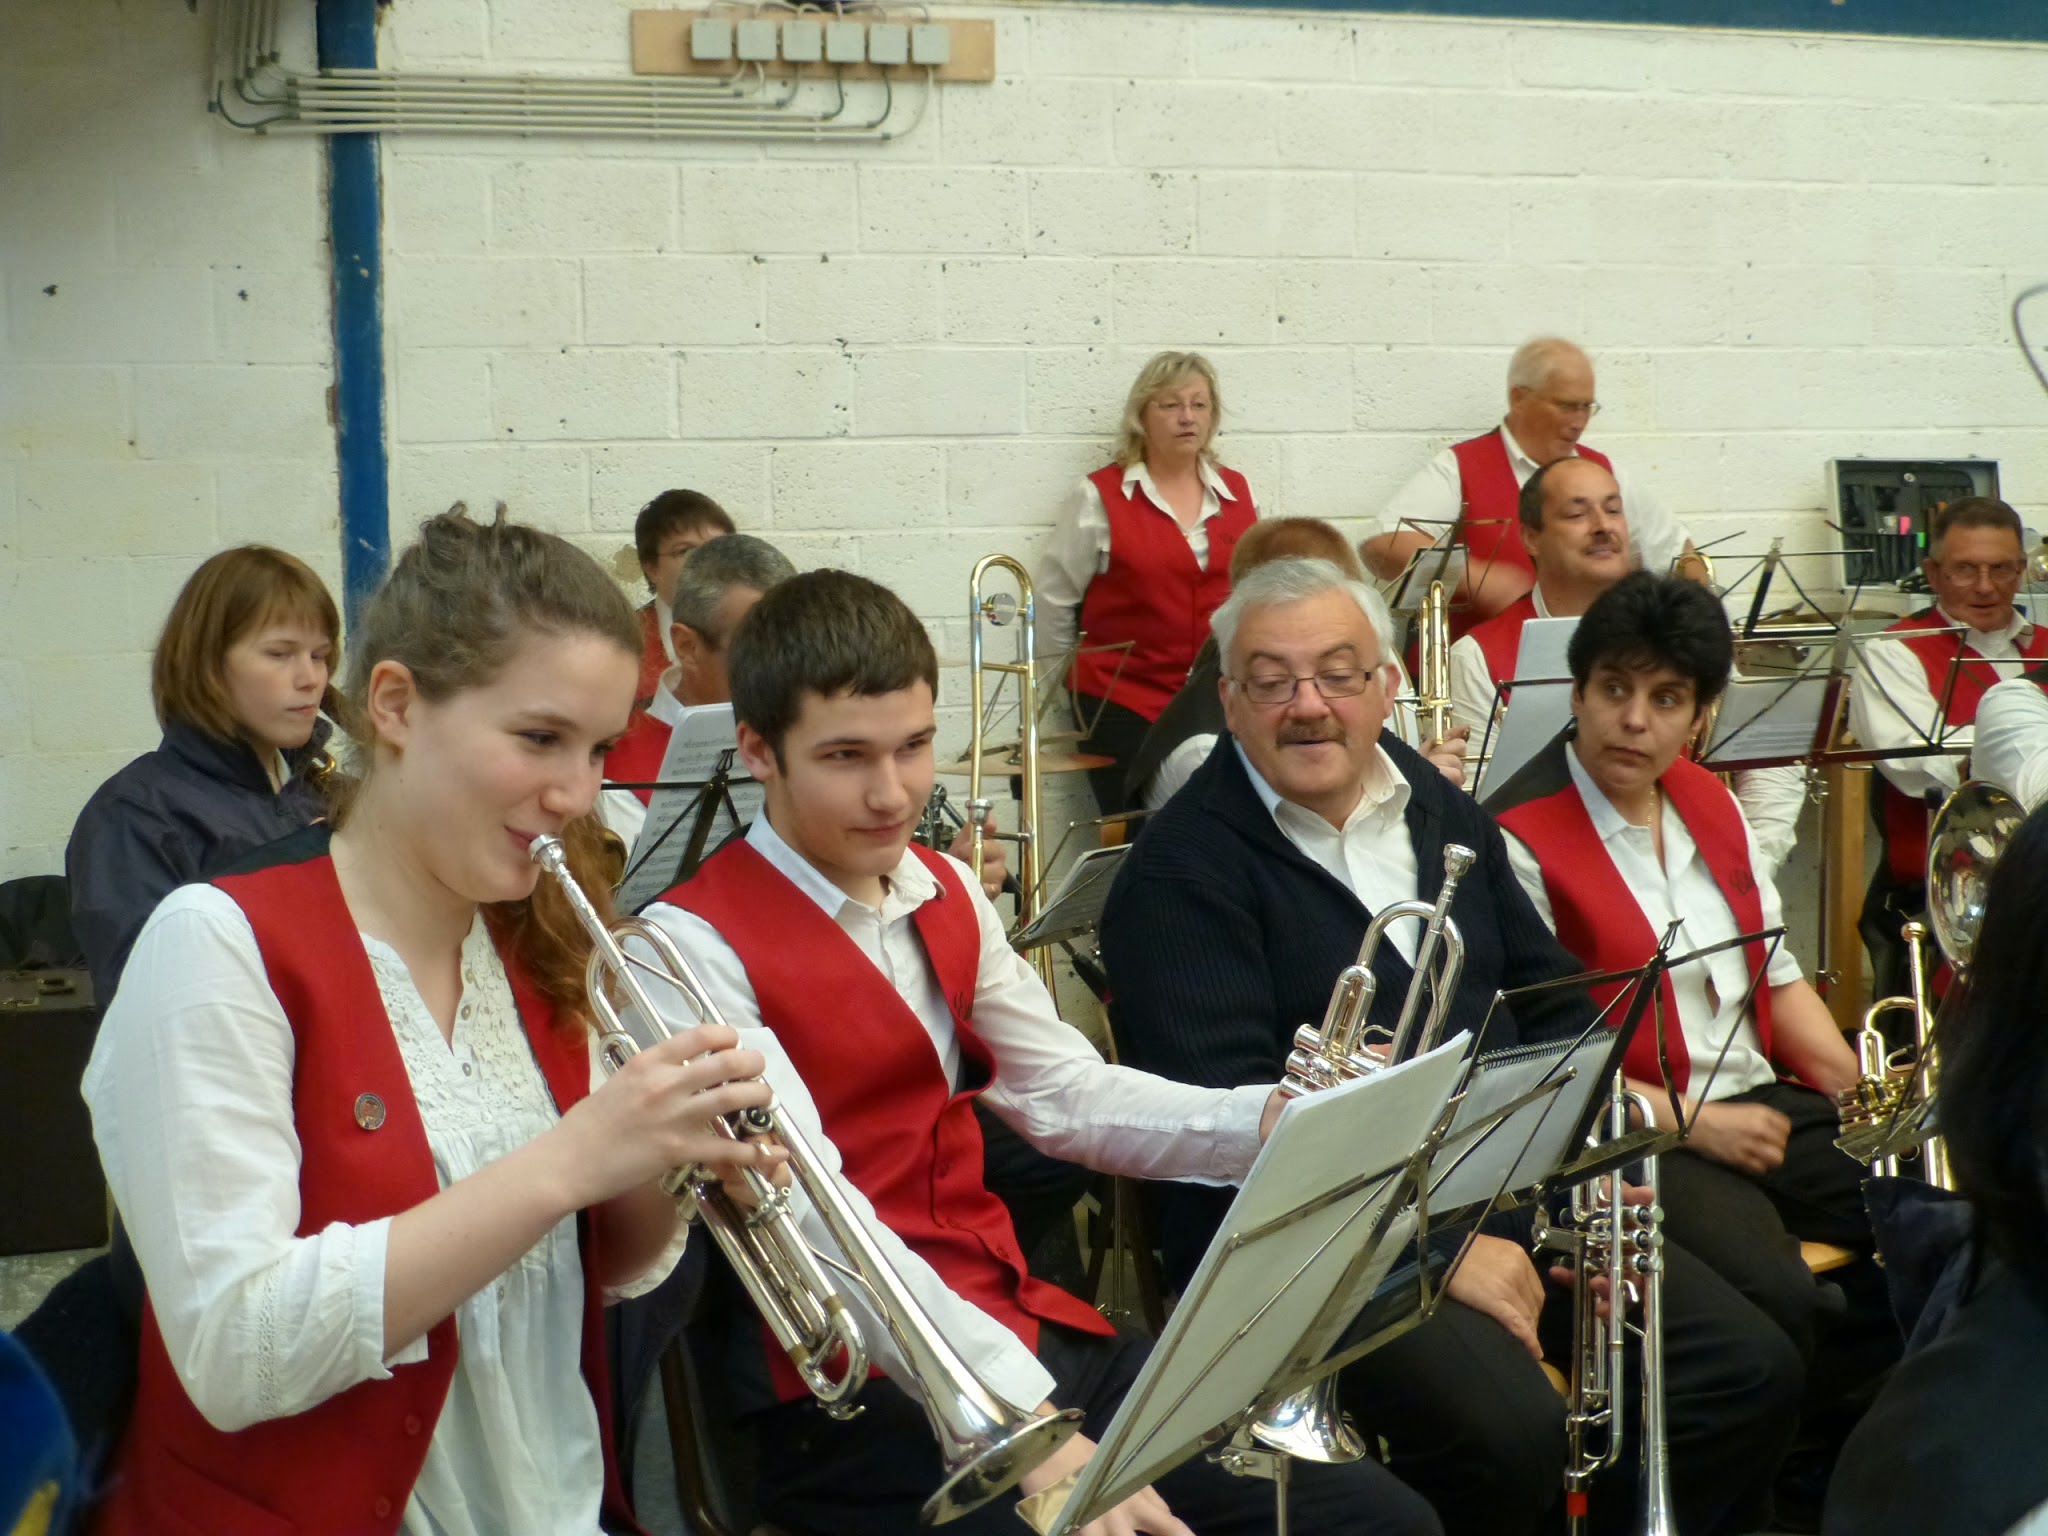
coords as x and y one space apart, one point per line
996 1462
1969 832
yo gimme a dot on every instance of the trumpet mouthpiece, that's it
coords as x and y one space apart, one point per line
546 851
1457 859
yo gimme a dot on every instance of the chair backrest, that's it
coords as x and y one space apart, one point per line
35 924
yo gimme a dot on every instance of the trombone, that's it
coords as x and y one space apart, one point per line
1433 681
986 1443
998 611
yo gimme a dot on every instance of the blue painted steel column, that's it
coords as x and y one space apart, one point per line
348 40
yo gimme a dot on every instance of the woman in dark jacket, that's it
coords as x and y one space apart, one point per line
239 680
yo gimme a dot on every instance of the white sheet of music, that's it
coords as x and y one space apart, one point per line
703 738
1538 709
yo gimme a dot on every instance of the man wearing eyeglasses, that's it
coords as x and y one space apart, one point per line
1928 686
1474 485
1228 925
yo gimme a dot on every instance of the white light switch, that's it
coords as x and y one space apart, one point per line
931 44
757 41
710 38
803 42
846 42
888 43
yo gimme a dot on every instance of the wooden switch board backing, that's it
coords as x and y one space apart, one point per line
661 46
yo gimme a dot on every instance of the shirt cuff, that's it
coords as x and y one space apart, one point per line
1234 1141
366 1256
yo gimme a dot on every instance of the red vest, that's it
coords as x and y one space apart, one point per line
1500 637
1905 819
1153 594
1599 921
345 1466
1489 510
906 1139
638 756
653 656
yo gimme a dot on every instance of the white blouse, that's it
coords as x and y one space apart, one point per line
190 1087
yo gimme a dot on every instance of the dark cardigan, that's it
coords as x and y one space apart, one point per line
1221 938
171 817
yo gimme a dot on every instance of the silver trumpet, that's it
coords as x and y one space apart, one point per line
986 1443
1625 1242
1310 1426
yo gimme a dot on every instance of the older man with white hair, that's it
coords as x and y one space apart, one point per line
1469 490
1227 927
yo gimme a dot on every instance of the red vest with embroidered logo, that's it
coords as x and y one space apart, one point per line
1599 920
906 1139
638 756
1905 819
345 1466
1154 594
1489 510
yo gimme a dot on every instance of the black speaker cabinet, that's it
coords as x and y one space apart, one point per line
51 1193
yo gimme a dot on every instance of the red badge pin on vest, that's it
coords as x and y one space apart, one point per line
369 1111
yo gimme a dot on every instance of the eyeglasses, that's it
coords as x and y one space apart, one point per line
1997 572
1270 689
1587 408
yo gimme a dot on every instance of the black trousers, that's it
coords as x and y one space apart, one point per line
1118 734
868 1476
1470 1421
1748 1227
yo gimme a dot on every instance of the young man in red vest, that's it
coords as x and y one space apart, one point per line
668 529
1927 686
1469 490
1614 834
881 987
1574 526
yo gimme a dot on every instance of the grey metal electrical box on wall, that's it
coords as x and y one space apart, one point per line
1883 508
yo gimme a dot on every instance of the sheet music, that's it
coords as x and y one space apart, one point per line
1542 1128
1537 709
1076 907
702 740
1769 720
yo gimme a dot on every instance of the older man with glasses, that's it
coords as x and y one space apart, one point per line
1927 686
1469 490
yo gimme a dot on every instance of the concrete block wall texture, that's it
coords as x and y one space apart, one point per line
165 354
898 357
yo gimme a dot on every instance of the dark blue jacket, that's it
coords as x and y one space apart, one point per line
1221 938
169 818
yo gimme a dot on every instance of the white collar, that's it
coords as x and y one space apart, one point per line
664 627
1386 791
1519 455
906 887
1137 474
1610 823
1536 596
2014 630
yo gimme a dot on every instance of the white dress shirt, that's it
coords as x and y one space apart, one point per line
622 810
2012 740
1371 854
1429 502
1050 1085
1891 706
1179 765
190 1087
1077 549
1707 991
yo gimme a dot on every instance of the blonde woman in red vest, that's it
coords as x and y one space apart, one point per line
1615 834
1468 491
1926 686
877 981
350 1111
1140 557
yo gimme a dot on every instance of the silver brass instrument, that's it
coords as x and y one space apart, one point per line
1893 1104
986 1443
1625 1242
1433 666
1309 1425
998 611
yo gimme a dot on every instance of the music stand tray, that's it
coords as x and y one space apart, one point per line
1076 907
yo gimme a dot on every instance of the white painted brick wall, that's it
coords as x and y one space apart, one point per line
163 377
899 357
